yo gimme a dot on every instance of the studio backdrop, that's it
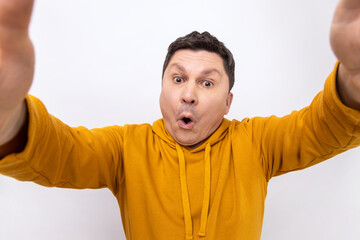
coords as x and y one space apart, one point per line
99 63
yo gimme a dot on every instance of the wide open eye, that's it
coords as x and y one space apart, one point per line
178 79
207 83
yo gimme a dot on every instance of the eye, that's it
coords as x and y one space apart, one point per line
178 79
207 84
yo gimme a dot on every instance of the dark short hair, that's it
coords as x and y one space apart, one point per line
203 41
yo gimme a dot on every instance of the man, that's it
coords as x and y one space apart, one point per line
197 174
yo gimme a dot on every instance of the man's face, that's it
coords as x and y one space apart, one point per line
194 96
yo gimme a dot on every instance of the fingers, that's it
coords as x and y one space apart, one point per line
16 52
349 4
15 14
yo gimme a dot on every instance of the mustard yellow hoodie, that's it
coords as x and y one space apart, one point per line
166 191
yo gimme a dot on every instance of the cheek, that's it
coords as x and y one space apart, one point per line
167 103
215 106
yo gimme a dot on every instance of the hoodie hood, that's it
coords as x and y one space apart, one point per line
160 130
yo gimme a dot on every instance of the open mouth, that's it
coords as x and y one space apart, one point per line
186 123
186 120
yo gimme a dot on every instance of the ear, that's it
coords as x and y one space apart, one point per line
228 102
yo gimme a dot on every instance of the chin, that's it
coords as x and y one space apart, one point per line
185 141
192 143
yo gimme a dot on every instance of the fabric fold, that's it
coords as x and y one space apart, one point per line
185 193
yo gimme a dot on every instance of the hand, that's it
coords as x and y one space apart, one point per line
15 14
16 53
16 64
345 42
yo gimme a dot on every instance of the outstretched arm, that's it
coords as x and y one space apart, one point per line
345 42
16 65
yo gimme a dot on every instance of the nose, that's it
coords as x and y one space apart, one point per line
189 94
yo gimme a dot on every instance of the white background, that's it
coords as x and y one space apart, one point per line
99 63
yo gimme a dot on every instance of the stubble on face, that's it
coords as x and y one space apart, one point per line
195 96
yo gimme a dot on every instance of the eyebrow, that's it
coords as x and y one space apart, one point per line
211 70
205 72
178 66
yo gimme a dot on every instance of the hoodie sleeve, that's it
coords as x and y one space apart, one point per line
57 155
304 138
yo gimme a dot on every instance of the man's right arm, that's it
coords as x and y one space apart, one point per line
48 152
16 68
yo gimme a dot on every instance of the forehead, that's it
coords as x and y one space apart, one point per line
202 60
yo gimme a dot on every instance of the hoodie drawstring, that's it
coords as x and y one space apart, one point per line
185 193
206 201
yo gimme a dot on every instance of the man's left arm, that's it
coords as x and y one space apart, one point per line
345 42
